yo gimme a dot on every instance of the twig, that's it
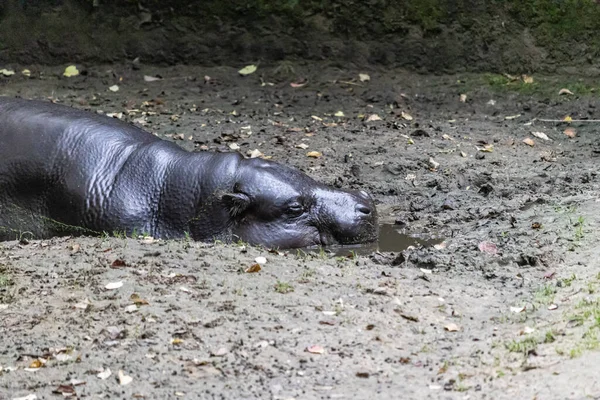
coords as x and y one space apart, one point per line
562 120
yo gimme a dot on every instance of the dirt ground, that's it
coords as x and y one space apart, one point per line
505 306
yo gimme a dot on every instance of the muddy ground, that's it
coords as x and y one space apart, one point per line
506 305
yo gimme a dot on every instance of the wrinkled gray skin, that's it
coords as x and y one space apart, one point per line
65 172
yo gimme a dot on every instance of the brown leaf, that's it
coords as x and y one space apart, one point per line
314 154
570 132
65 390
529 142
118 263
253 268
564 91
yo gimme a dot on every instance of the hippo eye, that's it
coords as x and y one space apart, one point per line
295 209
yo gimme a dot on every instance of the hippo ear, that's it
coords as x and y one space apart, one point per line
236 203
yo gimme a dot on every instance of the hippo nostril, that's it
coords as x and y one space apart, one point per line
363 209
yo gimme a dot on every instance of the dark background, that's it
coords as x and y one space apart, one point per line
421 35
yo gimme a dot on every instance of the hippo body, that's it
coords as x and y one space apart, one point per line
67 172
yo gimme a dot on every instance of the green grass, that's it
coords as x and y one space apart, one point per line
523 346
283 287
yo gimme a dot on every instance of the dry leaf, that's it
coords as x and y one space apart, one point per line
26 72
488 248
552 307
517 309
177 341
314 154
373 117
70 71
564 91
509 117
298 84
315 349
570 132
247 70
433 164
406 116
527 79
7 72
463 98
253 268
339 114
541 135
529 142
114 88
451 327
37 363
316 118
148 78
234 146
255 153
124 379
567 118
364 77
114 285
447 137
487 148
104 374
302 146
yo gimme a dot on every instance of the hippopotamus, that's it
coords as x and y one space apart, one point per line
65 171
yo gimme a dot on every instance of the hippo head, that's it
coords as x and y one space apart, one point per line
280 207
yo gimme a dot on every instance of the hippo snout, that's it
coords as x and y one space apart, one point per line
352 217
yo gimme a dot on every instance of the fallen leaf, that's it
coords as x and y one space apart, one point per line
234 146
124 379
7 72
70 71
487 148
373 117
148 78
253 268
527 79
339 114
131 308
298 84
314 154
564 91
529 142
247 70
517 310
260 260
177 341
541 135
302 146
255 153
509 117
315 349
433 164
488 248
447 137
114 88
138 300
114 285
463 98
220 352
28 397
118 263
426 271
567 118
104 374
406 116
37 363
364 77
570 132
65 390
552 307
316 118
26 72
451 327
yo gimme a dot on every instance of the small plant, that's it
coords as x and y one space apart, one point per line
283 287
525 346
579 228
549 337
